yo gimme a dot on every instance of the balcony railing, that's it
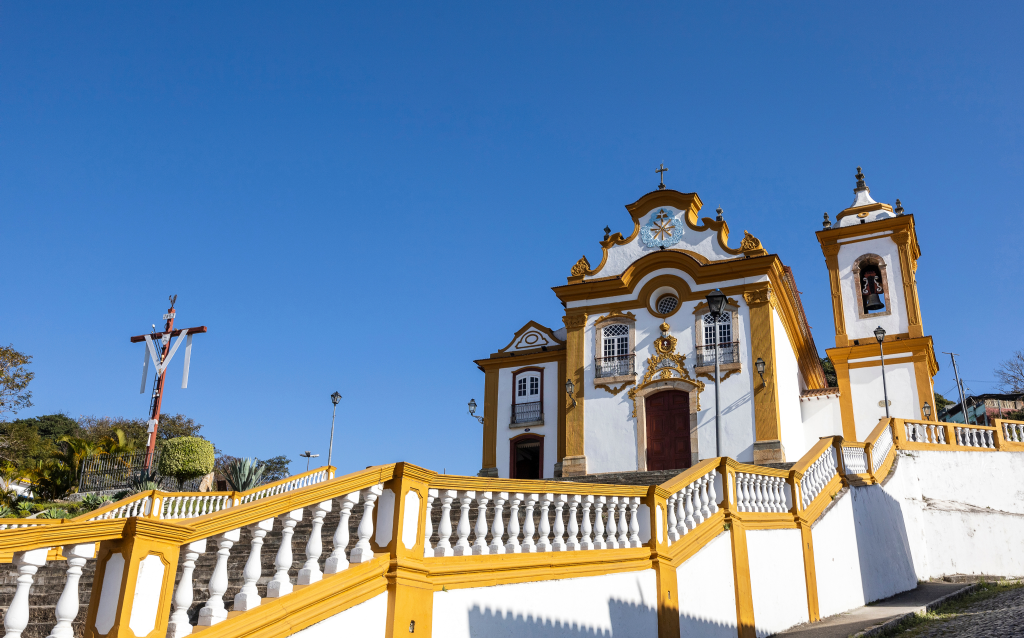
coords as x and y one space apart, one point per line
616 366
727 353
528 412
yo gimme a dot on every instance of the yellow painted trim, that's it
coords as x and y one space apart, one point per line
575 324
490 434
529 486
741 579
762 345
810 573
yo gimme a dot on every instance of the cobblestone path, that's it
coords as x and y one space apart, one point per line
1001 615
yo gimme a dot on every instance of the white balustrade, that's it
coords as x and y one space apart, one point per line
611 542
512 545
69 602
498 526
587 502
310 572
183 507
558 543
634 523
762 493
688 507
855 460
1013 431
444 530
975 437
462 546
880 448
599 541
428 551
17 616
480 538
543 542
138 507
623 524
249 598
338 560
281 584
670 506
214 611
818 476
362 552
572 542
280 488
529 545
179 625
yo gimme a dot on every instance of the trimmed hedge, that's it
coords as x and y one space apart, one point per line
186 457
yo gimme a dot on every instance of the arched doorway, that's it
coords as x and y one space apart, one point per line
527 457
668 430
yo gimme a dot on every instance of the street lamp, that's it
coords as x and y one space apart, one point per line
472 411
927 411
308 455
569 389
335 398
759 364
716 301
880 335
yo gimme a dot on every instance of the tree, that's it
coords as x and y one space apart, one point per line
53 426
941 402
14 380
185 458
1011 373
276 469
22 446
135 431
830 373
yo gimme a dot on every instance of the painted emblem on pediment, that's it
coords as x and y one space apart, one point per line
662 230
532 339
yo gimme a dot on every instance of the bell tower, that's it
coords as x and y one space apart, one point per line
871 253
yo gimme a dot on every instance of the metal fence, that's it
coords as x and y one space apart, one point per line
727 353
104 472
614 366
527 412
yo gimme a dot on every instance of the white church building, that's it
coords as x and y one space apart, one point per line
628 383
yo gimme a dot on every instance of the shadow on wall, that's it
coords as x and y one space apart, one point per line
705 628
883 547
631 620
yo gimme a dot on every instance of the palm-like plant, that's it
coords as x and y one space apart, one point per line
244 474
54 512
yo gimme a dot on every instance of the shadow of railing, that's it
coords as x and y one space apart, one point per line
627 619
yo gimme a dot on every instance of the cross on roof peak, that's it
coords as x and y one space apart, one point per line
661 173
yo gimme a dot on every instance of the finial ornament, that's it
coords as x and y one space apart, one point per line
661 173
607 232
827 224
860 180
581 267
899 208
719 216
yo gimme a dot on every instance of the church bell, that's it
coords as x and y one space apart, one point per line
872 302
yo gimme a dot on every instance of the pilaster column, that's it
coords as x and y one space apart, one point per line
767 430
908 267
574 460
489 466
831 252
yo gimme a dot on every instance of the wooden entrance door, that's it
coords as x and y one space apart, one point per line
668 430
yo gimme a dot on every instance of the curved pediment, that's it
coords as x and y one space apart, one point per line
532 336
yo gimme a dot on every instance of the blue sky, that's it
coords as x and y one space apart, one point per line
366 199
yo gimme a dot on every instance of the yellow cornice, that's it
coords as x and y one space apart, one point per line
456 482
894 344
505 359
863 211
833 235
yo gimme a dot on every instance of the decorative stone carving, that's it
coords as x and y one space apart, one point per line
757 297
751 246
665 364
581 267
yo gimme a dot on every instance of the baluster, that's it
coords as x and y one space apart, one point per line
942 435
670 507
249 597
338 560
712 495
690 521
741 494
681 529
634 523
362 552
558 544
480 541
281 584
585 541
704 511
462 546
179 625
773 494
310 572
529 546
599 542
989 439
444 529
959 435
497 526
760 496
770 504
213 611
543 542
623 523
428 551
512 545
612 541
69 602
780 494
572 543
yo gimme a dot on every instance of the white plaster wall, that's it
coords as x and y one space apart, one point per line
821 417
704 243
777 582
613 604
610 430
866 391
893 323
788 383
553 393
366 620
963 511
707 591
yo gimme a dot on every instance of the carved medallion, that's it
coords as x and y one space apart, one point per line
662 231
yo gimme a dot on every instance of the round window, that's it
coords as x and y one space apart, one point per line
666 304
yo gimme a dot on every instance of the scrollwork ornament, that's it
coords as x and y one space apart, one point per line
582 267
666 364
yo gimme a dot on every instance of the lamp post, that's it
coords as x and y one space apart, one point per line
927 411
472 411
880 335
716 301
308 455
759 364
570 387
335 398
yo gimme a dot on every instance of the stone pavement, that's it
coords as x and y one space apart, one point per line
1001 615
856 620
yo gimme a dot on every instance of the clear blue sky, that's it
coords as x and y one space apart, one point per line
367 199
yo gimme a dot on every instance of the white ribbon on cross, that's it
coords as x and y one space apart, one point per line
161 366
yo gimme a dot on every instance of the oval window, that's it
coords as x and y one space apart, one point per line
667 304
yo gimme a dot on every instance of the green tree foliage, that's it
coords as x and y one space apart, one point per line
185 458
14 380
244 474
830 372
22 446
172 426
53 426
941 403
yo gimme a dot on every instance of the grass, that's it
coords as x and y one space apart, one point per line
918 623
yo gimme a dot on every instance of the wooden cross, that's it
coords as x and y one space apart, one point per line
661 174
158 348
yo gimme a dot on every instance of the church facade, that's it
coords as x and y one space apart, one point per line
628 383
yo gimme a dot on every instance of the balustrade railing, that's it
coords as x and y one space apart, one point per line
532 412
934 433
614 366
975 436
855 460
958 434
880 448
818 475
727 353
762 493
1013 431
691 504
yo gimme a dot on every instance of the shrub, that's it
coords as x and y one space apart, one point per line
6 512
244 474
94 501
186 458
54 512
